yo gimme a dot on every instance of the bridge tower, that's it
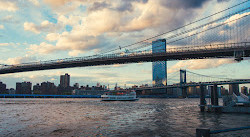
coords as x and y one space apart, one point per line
183 80
183 76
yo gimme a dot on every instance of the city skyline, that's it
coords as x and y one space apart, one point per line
66 77
49 88
124 68
42 30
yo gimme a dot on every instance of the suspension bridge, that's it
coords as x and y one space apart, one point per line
198 82
224 34
187 78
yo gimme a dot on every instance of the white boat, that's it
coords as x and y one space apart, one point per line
119 96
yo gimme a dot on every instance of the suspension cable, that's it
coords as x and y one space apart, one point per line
176 28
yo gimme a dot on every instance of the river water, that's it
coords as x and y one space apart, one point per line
92 117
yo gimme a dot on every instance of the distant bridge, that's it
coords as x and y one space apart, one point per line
194 84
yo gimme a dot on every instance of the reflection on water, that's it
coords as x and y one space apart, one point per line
91 117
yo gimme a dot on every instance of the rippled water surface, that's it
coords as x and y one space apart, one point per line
92 117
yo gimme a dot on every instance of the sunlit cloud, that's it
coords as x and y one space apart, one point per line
8 6
35 2
200 64
45 26
1 26
19 60
103 19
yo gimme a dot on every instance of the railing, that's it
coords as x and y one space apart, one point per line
207 132
235 97
46 96
138 53
245 97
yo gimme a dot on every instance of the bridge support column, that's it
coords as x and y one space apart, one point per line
212 95
202 132
215 99
184 92
215 95
239 55
202 98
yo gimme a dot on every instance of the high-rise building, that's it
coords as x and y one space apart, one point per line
234 88
23 88
18 88
224 91
159 68
37 89
65 80
244 90
2 88
48 88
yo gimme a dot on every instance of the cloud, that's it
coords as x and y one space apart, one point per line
31 27
152 15
70 20
98 6
105 21
9 19
65 42
108 20
57 2
45 26
111 21
106 75
52 36
4 44
75 52
8 6
200 64
43 48
83 37
230 21
35 2
149 16
19 60
1 26
176 4
128 5
11 44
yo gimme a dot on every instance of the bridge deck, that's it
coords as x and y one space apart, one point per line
234 81
183 53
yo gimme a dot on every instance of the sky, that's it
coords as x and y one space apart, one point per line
39 30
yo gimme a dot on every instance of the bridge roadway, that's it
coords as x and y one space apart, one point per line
227 50
236 81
